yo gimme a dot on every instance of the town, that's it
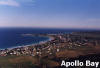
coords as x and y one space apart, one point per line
80 42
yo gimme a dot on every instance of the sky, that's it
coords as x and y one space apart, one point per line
83 14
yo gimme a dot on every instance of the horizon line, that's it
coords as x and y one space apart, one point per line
54 28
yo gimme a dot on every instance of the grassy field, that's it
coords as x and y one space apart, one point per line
26 62
75 52
18 62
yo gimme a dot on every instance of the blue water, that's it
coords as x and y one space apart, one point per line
12 37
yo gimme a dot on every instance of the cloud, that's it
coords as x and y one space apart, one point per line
9 3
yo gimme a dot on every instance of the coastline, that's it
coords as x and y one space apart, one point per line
33 44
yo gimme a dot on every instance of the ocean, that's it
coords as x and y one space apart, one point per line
12 37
